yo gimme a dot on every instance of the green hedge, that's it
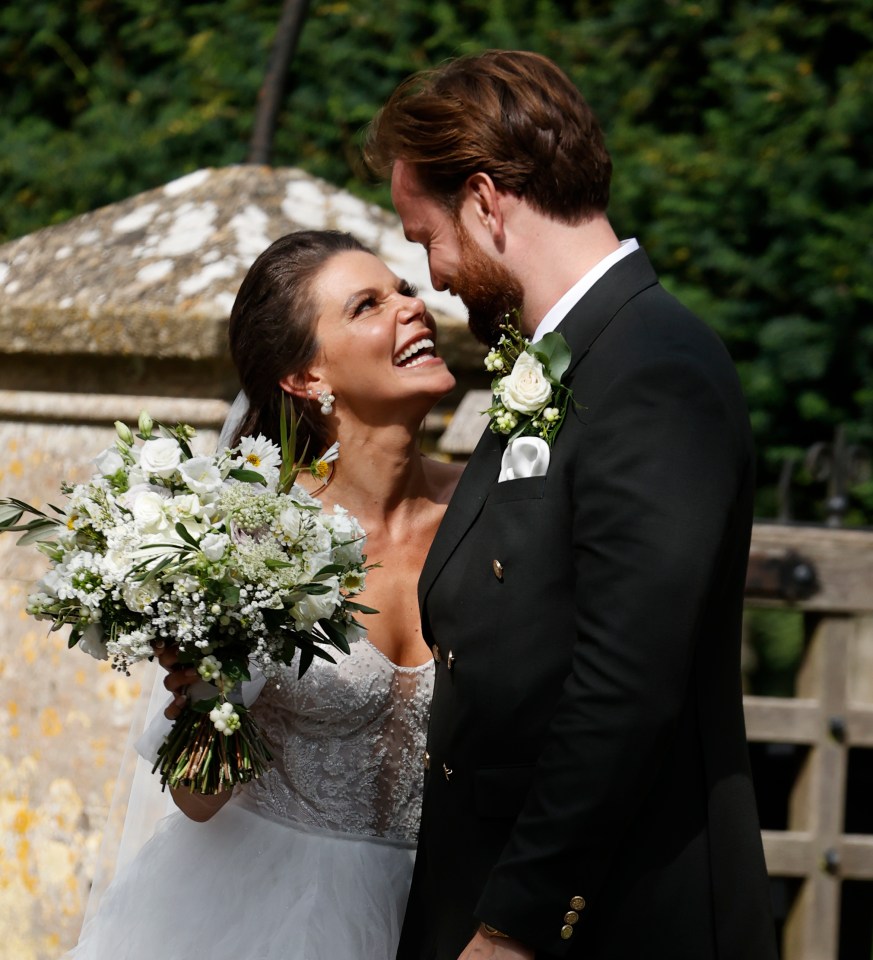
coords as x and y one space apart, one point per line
740 131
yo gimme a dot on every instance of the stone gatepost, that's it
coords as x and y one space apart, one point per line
118 310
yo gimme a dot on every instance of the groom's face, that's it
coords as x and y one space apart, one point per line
457 262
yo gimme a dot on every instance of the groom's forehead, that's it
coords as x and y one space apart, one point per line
419 211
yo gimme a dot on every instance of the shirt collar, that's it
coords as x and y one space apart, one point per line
569 300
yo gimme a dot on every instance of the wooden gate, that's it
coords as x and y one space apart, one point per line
828 575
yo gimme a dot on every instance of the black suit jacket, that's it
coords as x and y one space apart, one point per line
587 787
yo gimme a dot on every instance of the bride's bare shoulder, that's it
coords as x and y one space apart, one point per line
443 477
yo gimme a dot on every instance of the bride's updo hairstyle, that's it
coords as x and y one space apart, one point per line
273 331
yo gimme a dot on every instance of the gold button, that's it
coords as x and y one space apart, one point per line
450 660
497 567
426 760
578 903
436 653
566 931
571 917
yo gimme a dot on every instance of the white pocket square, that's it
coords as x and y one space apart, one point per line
524 457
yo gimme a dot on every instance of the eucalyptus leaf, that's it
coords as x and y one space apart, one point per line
335 635
9 514
185 535
354 605
315 589
553 352
204 706
321 653
34 534
247 476
306 658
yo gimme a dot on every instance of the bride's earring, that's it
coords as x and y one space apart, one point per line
326 399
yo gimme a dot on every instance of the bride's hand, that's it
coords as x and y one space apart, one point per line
179 677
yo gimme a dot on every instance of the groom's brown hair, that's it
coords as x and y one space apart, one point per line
511 114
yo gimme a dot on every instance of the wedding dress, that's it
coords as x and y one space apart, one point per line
311 862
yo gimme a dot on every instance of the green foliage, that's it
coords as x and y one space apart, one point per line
775 640
740 133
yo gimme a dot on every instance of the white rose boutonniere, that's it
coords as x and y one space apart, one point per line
526 389
529 398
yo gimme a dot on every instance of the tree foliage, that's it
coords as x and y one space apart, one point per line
739 129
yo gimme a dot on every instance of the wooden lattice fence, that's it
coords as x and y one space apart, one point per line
828 575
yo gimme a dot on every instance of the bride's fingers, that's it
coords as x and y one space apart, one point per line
178 677
167 656
177 682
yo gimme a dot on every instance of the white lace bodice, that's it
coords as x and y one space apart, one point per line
348 741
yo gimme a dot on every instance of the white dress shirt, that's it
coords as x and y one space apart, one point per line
581 287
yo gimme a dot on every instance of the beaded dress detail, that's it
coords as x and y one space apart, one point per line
348 741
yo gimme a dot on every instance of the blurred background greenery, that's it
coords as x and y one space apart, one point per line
740 130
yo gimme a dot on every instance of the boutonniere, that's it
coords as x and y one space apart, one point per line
529 398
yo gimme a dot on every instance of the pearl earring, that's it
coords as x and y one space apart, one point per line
326 399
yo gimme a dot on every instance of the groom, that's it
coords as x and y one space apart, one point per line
587 782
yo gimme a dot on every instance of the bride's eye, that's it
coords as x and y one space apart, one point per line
365 303
408 289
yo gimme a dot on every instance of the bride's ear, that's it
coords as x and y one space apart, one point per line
302 385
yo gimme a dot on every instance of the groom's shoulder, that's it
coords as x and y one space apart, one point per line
656 326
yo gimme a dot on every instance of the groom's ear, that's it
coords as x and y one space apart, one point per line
486 205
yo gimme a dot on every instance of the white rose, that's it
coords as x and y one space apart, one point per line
115 564
109 462
128 499
213 545
92 643
315 606
149 513
139 595
201 475
160 458
526 389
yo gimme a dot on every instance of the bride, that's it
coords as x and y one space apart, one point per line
313 861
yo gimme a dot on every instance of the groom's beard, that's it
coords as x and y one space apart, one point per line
488 289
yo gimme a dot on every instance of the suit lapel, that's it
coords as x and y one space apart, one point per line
464 507
595 311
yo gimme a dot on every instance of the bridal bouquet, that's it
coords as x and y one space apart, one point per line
224 555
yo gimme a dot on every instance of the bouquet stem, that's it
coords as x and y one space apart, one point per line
195 755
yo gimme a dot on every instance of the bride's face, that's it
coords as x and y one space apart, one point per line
378 342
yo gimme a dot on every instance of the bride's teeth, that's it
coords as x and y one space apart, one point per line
411 350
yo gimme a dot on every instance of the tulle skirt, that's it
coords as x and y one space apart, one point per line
245 887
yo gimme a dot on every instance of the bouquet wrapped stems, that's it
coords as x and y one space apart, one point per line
196 756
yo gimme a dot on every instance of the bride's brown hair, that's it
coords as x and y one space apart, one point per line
273 331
